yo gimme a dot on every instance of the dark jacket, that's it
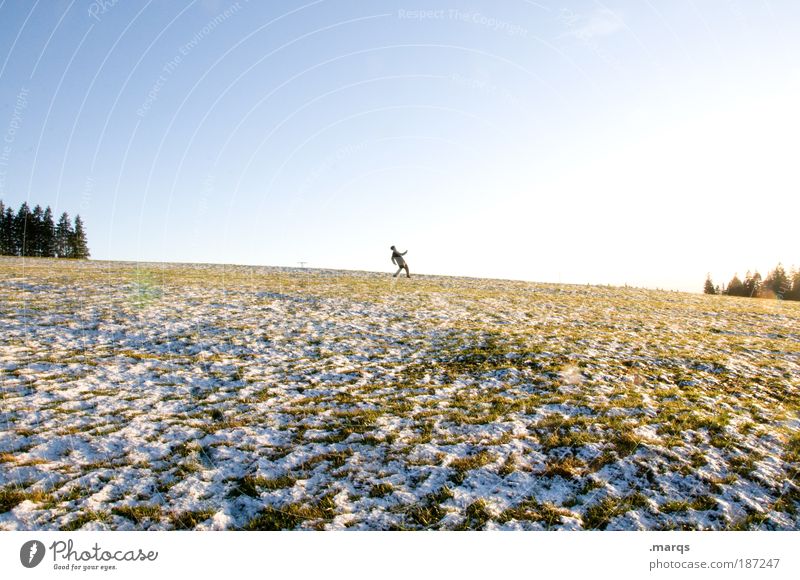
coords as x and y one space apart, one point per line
397 257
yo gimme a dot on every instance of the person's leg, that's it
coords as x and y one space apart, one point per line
398 271
408 274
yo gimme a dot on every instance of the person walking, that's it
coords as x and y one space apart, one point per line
397 258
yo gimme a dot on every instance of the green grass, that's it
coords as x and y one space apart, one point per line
472 380
530 509
252 485
139 513
751 522
463 465
11 496
289 517
568 468
477 514
598 515
381 490
84 518
334 459
188 520
428 511
699 503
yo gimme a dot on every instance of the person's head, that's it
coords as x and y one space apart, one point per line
392 248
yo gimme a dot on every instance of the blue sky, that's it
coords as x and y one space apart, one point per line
606 142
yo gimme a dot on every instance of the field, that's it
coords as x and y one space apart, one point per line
156 396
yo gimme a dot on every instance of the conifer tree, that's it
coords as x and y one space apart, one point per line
78 247
3 248
48 233
21 230
777 282
735 287
34 234
7 231
63 235
794 293
752 285
709 286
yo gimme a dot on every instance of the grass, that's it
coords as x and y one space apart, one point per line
463 465
752 521
381 490
625 443
252 485
477 514
509 466
568 468
188 520
428 511
84 518
743 465
335 459
342 383
139 513
273 519
699 503
11 496
530 509
289 517
792 448
598 515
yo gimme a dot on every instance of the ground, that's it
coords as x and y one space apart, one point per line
156 396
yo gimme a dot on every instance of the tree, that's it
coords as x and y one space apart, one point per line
794 293
48 234
709 287
63 234
78 247
35 227
3 248
735 287
7 233
777 282
21 230
752 284
33 233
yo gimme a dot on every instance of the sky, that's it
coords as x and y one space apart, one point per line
631 142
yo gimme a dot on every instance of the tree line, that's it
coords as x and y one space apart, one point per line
34 233
777 284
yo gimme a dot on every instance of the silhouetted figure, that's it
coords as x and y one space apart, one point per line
397 258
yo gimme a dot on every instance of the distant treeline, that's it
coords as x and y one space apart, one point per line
777 284
33 233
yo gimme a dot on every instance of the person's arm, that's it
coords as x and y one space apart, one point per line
404 253
393 262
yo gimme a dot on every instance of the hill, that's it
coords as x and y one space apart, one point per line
158 396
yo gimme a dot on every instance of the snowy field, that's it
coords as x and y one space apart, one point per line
159 396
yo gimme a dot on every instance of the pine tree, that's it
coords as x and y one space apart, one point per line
794 294
8 233
21 230
35 227
735 287
48 234
63 235
3 248
752 285
709 287
777 282
78 248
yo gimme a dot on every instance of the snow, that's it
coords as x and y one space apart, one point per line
169 385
